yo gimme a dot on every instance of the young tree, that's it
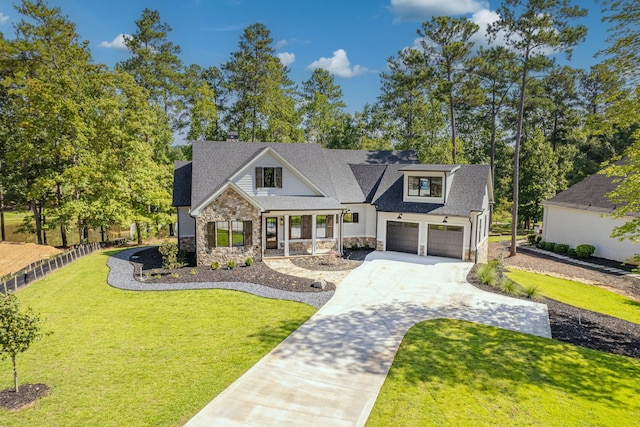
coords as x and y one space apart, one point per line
263 107
447 45
18 330
531 29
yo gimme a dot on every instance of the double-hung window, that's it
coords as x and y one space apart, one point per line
268 177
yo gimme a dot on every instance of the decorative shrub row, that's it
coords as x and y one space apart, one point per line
231 264
581 251
491 274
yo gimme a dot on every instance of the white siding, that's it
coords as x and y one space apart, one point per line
366 225
292 184
186 223
575 226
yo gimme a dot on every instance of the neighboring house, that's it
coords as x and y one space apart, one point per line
241 199
582 214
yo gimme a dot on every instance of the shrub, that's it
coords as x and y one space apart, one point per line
571 251
231 264
548 246
585 251
175 275
354 246
193 272
532 238
215 265
487 274
560 248
171 257
509 287
366 246
248 262
538 239
532 292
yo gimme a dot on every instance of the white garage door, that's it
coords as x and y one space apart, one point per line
445 240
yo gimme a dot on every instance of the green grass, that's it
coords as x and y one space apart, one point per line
14 217
580 295
455 373
123 358
505 237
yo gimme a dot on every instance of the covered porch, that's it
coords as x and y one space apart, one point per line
301 233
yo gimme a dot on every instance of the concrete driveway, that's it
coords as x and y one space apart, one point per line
329 372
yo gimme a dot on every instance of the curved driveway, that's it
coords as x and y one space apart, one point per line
330 370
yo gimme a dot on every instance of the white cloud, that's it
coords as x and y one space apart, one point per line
338 65
117 43
3 18
419 10
484 18
281 43
287 58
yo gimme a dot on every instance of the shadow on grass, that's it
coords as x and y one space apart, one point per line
454 352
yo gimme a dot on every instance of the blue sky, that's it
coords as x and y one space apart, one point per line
350 38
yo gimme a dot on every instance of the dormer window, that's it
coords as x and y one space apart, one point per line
424 186
268 177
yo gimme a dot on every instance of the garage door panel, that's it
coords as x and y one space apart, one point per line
445 241
402 237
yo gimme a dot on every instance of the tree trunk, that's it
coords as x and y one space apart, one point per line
15 373
494 115
44 227
139 231
516 160
36 217
2 233
102 233
63 235
452 116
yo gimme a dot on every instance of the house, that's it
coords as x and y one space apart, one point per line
582 214
239 199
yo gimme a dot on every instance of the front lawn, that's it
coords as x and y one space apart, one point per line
450 372
122 358
580 295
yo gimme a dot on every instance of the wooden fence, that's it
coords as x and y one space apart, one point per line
39 269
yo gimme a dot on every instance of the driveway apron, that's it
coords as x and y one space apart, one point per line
330 370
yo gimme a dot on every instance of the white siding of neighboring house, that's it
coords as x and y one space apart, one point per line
292 184
186 223
366 225
576 226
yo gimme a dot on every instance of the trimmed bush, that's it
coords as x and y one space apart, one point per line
571 251
215 265
560 248
548 246
231 264
354 246
248 262
487 274
532 239
585 251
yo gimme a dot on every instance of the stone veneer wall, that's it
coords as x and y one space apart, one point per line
187 244
347 242
228 206
379 245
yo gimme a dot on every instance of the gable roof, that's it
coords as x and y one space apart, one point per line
466 194
590 194
342 176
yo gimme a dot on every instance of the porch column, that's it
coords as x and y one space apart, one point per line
263 235
286 235
313 234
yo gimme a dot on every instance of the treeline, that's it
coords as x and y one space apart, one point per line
82 143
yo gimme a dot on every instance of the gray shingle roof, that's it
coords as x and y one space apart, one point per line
181 183
344 176
466 193
590 194
287 203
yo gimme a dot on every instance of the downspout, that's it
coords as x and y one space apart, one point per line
470 236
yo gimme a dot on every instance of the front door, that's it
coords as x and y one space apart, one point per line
272 233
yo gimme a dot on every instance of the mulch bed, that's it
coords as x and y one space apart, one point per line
583 327
258 273
27 394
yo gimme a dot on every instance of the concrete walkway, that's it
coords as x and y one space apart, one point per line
285 266
329 372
